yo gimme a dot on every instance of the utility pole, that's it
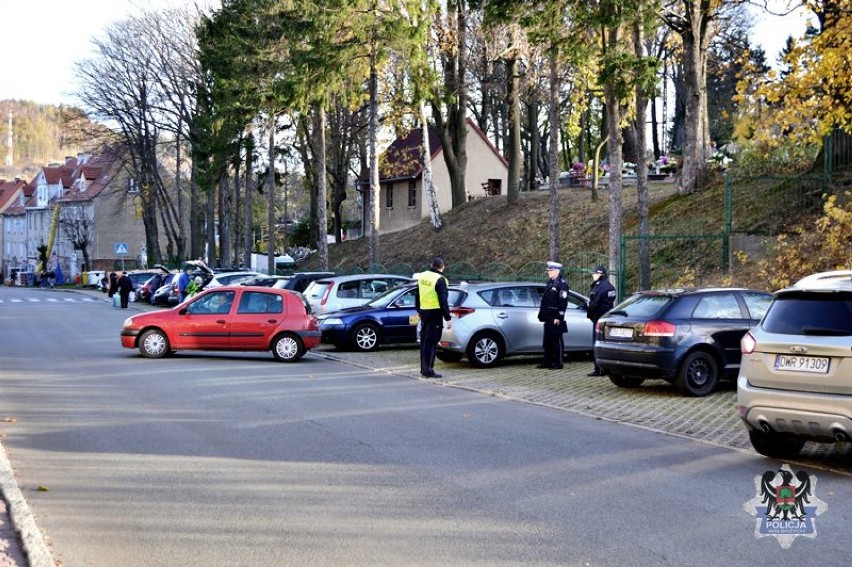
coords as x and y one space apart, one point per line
9 157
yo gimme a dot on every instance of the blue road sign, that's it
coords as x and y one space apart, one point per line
121 248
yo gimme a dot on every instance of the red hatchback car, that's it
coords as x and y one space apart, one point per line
237 318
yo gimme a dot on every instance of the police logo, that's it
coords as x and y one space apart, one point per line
785 505
564 294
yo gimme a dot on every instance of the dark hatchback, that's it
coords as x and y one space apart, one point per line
389 318
689 337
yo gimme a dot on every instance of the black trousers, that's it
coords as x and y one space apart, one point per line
553 343
431 324
125 297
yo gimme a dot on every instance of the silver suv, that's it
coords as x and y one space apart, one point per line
795 380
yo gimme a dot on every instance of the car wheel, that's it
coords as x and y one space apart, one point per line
365 337
698 374
154 344
625 381
288 348
775 445
445 356
485 350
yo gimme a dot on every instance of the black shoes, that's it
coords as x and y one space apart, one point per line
431 375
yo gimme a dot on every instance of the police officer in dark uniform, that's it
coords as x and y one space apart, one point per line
552 314
601 299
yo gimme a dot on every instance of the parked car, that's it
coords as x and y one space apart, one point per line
296 282
795 380
163 294
495 320
335 293
220 279
227 319
389 318
690 337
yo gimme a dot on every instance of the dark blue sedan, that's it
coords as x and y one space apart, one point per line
389 318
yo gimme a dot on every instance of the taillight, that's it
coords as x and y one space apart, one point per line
659 329
459 312
747 344
326 293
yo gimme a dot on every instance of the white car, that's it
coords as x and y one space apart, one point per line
339 292
231 278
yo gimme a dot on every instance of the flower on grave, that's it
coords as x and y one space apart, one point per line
579 167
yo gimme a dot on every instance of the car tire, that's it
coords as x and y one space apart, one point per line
698 374
485 350
288 347
366 337
445 356
625 381
154 343
775 445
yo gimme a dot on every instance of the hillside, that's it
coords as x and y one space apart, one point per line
481 233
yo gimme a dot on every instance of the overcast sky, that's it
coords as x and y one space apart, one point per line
43 38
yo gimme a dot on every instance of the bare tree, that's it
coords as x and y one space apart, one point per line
77 223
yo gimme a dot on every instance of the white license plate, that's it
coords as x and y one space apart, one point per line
620 332
812 364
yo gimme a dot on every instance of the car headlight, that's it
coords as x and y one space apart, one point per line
128 322
331 322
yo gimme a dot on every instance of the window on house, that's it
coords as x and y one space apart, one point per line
389 196
412 194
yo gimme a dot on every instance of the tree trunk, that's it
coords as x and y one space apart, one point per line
270 199
374 160
429 191
322 205
642 168
613 108
553 146
515 157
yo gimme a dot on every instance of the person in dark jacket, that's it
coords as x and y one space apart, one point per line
431 304
125 286
601 299
551 313
112 285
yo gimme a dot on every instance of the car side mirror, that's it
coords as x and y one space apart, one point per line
183 311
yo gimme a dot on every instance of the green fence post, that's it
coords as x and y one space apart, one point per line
622 267
729 215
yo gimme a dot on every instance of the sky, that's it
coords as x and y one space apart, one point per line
42 39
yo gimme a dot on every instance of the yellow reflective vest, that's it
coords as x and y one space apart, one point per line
426 282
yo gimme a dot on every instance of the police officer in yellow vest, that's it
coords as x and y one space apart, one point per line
431 304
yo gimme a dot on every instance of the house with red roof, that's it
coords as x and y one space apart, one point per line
402 202
93 194
10 195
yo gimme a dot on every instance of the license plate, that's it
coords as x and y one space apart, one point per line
620 332
812 364
413 319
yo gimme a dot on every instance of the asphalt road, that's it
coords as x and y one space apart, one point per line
212 459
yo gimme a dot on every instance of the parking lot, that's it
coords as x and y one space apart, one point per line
655 405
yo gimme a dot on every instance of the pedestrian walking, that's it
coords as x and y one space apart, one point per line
125 286
601 299
552 314
431 304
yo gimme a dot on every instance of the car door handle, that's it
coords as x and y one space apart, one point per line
273 321
221 321
502 315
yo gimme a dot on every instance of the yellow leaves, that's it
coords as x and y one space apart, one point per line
10 420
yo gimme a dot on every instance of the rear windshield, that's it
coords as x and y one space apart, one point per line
643 305
828 314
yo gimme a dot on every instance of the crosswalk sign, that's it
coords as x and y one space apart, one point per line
121 248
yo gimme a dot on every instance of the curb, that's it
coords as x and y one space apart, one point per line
32 541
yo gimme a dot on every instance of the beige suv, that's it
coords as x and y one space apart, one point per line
795 380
